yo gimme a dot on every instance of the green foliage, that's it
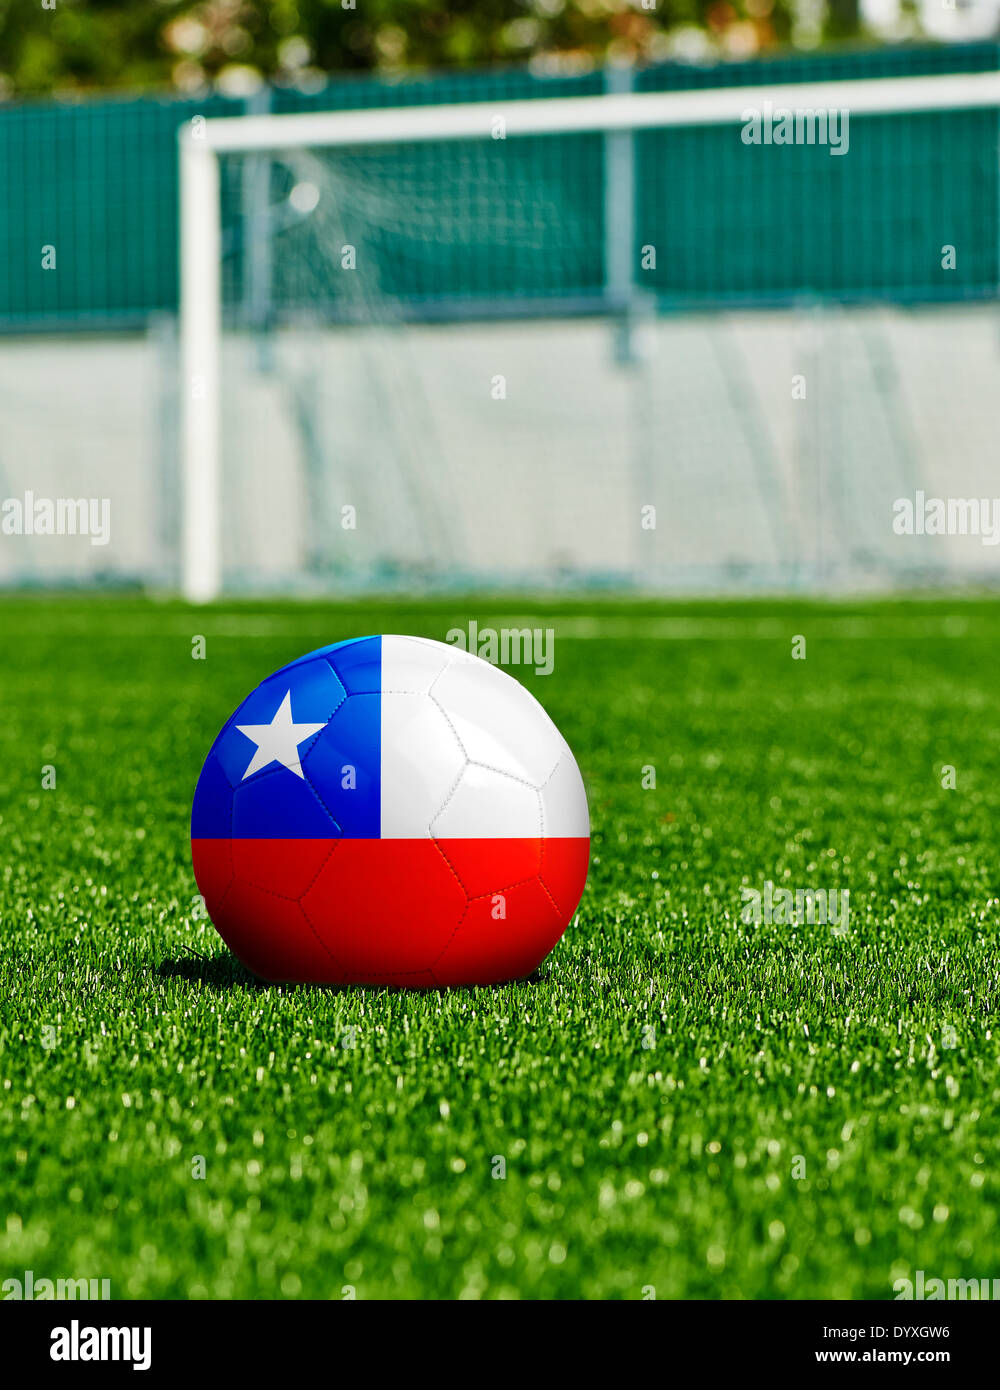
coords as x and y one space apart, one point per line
654 1091
69 45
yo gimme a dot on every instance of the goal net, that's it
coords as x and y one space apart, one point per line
633 340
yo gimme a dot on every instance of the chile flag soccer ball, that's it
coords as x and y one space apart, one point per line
391 811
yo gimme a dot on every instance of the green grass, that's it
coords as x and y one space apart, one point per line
650 1090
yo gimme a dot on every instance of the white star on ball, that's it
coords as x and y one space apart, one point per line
278 742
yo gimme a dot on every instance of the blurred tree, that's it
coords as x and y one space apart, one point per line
67 45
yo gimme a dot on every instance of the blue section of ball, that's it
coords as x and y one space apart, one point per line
329 783
278 805
357 662
344 766
212 813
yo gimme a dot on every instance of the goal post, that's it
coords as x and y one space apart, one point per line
200 327
204 141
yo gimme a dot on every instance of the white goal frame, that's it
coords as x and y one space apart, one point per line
201 141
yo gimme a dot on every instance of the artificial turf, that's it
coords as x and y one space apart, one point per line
684 1102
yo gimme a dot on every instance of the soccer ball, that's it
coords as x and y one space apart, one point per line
390 811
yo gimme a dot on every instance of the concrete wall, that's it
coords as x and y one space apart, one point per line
457 476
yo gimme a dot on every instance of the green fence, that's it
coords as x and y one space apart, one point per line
97 183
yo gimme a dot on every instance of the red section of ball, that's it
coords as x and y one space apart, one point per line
271 935
385 908
489 948
416 912
564 872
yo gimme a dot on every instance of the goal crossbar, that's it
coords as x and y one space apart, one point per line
202 141
569 115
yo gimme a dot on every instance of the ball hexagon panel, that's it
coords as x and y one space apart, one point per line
484 803
564 871
381 925
564 801
287 871
259 812
498 722
417 664
481 870
342 767
358 665
422 761
272 935
530 926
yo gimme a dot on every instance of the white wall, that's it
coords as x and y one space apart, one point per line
751 486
